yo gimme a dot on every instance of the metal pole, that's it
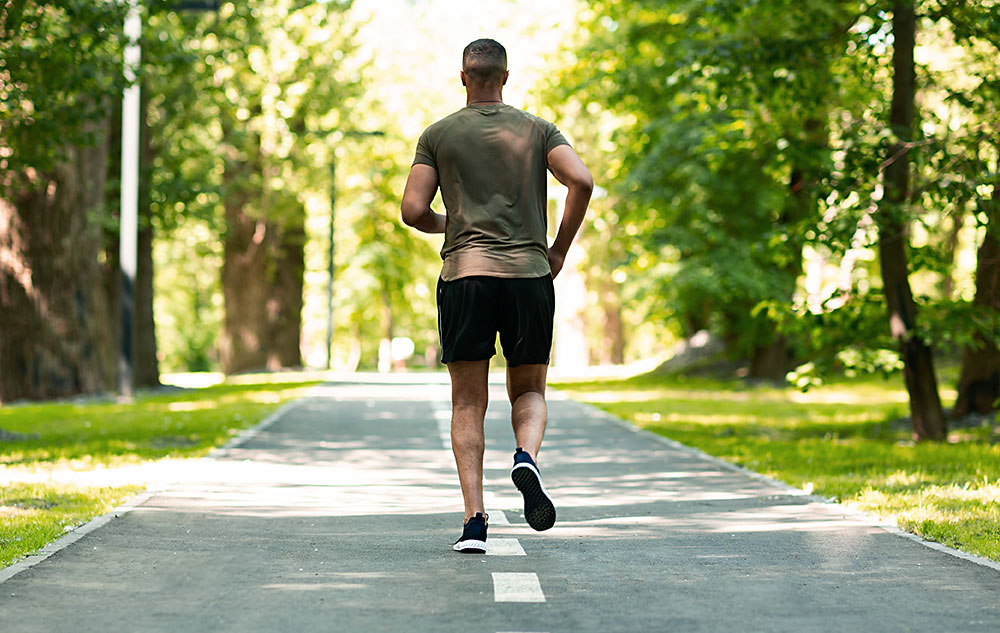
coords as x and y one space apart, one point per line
330 268
129 196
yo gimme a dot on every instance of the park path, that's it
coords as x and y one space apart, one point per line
339 516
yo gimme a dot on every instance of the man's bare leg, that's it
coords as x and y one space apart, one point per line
526 390
469 397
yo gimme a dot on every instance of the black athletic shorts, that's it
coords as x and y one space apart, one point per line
472 310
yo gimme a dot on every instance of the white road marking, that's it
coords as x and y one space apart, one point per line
517 587
497 517
504 547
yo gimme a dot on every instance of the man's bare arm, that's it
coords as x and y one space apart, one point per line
421 185
568 169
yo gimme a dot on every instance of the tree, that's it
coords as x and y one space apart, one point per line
977 27
271 73
59 74
926 413
724 154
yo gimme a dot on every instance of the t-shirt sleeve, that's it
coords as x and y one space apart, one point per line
425 155
553 137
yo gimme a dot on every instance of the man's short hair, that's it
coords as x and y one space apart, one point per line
485 61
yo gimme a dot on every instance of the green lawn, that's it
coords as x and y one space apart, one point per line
82 436
839 440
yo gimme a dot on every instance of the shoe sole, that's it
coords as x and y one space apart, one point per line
470 546
539 511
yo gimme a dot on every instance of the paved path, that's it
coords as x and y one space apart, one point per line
340 517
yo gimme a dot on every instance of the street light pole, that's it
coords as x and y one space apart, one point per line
330 268
129 206
129 219
332 251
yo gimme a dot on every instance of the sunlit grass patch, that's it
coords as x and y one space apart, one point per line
181 423
964 516
838 441
83 436
33 515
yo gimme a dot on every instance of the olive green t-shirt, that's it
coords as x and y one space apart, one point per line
491 162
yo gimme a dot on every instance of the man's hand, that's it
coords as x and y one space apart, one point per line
421 185
556 260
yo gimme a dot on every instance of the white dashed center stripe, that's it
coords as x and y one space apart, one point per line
504 547
517 587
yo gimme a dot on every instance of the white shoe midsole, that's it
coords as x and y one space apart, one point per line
469 544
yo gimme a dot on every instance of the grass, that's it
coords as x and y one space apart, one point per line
33 515
81 436
840 440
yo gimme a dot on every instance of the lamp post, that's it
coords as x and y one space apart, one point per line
332 251
129 209
129 212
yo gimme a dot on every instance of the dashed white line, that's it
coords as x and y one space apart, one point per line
504 547
517 587
497 517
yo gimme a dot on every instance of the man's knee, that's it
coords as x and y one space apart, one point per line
526 379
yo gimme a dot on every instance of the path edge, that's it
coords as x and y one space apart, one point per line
887 525
139 498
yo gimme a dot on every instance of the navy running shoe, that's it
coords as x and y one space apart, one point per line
539 511
473 539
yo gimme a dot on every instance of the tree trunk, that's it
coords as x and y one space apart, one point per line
612 351
243 342
770 362
951 250
286 297
145 365
262 280
54 335
926 413
385 362
979 383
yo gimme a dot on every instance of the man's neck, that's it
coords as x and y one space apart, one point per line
485 98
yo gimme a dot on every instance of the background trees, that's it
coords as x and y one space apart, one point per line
764 149
782 174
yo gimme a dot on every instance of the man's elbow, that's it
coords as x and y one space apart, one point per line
410 213
583 182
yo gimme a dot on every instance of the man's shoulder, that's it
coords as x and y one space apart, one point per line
534 118
446 122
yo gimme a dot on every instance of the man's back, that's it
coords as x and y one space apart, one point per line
491 164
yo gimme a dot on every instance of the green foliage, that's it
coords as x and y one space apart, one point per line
725 147
391 267
246 106
748 134
839 440
60 66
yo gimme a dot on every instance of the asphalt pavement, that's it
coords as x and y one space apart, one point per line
340 515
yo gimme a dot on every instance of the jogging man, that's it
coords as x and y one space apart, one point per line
490 161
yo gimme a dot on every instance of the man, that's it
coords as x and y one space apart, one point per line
490 162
